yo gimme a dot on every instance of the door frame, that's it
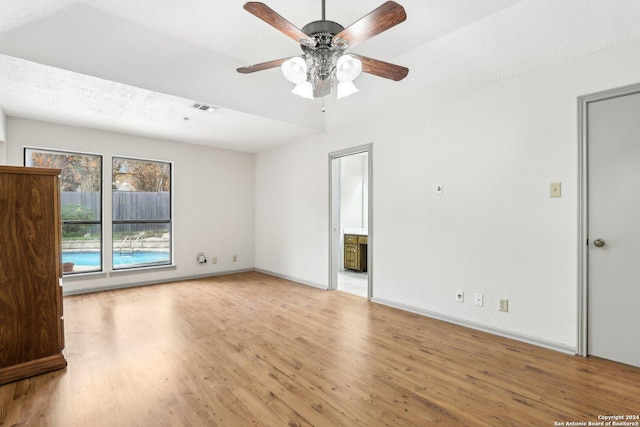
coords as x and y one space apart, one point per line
583 200
334 215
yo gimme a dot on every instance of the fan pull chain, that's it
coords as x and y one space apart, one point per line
323 108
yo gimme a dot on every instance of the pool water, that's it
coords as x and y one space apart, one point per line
92 259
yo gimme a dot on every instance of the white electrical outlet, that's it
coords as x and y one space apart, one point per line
460 296
235 258
504 305
478 299
214 260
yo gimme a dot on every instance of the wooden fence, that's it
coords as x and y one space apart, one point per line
127 205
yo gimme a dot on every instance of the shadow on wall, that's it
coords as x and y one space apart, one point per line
3 138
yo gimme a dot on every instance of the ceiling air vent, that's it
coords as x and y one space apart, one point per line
204 107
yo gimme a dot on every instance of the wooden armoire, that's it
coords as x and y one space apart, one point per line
31 324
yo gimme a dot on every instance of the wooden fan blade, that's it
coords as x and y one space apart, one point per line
381 19
269 16
381 68
262 66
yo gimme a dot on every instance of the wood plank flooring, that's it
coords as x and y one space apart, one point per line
253 350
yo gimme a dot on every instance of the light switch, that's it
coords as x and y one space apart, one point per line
555 189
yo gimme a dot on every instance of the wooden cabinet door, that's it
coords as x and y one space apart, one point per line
351 256
30 293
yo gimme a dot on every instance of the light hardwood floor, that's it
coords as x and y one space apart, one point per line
252 350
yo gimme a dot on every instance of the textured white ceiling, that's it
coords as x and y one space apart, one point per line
46 93
136 66
225 27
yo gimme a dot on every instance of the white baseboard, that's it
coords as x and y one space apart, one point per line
495 331
293 279
150 282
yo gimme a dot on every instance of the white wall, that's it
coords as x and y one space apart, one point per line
494 231
292 212
213 197
3 138
353 176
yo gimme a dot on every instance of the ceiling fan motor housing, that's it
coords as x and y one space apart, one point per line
322 31
324 55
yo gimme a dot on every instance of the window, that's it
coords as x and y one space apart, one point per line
81 205
141 213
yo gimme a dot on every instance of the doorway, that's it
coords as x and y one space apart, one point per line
610 231
350 228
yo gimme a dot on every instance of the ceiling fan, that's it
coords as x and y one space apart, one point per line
324 64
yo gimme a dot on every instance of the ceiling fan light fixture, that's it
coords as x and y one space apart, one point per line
304 89
348 68
295 70
324 66
345 89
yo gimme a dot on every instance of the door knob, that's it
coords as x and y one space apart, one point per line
598 243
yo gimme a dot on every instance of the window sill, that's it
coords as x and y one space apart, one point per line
123 272
84 276
137 270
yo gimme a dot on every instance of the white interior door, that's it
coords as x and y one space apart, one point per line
613 143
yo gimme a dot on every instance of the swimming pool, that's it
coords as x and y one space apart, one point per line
92 259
